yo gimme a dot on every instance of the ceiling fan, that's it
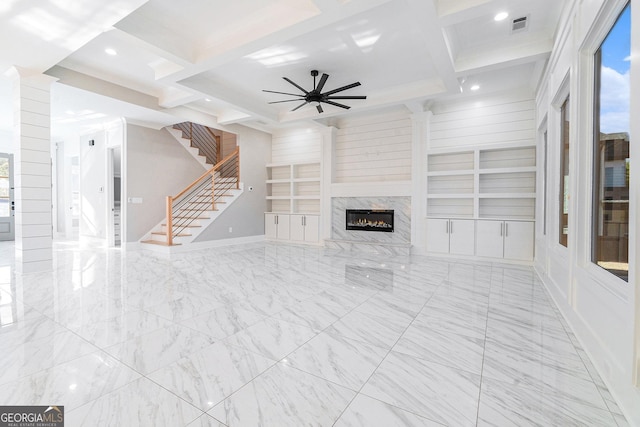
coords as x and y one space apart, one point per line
316 95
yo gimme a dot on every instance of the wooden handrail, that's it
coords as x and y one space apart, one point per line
209 172
212 171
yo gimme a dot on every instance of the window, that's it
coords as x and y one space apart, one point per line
610 236
564 173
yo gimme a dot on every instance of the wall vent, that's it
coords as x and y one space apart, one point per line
519 24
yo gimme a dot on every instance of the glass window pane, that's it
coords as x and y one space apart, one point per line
610 240
4 187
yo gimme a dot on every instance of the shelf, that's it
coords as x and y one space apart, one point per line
457 161
294 187
451 196
451 184
305 180
507 170
279 165
507 157
506 195
451 173
450 207
278 181
497 181
512 207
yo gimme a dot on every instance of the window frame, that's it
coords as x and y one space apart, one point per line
595 171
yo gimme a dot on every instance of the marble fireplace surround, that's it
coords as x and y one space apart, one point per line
396 243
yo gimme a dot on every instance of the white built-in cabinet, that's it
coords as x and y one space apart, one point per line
293 200
450 236
474 193
305 228
276 226
513 240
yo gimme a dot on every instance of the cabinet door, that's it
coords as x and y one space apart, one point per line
489 238
462 236
438 235
270 228
297 228
519 240
282 224
311 228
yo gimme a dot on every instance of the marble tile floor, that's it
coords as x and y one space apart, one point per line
279 335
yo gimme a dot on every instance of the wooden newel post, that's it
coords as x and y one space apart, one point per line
169 221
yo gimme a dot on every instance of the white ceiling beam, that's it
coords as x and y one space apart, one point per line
496 57
223 54
426 20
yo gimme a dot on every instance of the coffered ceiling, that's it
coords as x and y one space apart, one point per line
209 60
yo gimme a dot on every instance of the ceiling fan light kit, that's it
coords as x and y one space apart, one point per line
316 96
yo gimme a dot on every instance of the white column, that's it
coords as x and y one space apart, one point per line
32 160
419 141
328 160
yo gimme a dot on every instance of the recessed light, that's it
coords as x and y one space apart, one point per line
110 51
475 87
501 16
207 100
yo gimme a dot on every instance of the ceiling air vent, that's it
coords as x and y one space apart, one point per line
519 24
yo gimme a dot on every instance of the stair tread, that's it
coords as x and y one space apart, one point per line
188 226
164 233
159 243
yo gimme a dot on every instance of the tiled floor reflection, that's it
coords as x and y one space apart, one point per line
277 335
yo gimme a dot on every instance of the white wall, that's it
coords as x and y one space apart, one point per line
156 167
497 119
6 142
375 148
246 215
600 308
296 145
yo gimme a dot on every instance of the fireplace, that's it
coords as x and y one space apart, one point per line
370 220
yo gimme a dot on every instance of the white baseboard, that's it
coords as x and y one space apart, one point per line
169 250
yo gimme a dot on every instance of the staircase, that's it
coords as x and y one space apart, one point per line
199 141
198 205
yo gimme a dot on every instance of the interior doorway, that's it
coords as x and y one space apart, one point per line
114 194
7 204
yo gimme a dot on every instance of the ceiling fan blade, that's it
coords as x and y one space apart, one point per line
323 80
301 105
346 107
340 89
288 100
282 93
347 97
319 107
299 87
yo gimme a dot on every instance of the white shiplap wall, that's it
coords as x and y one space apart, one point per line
496 120
298 145
374 149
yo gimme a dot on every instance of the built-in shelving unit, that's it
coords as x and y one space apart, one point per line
293 202
293 187
492 182
481 201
